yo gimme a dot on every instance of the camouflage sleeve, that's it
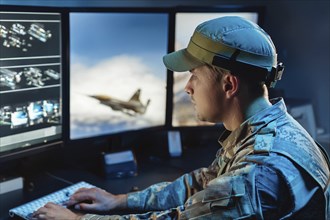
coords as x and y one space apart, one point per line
161 215
160 196
103 217
166 195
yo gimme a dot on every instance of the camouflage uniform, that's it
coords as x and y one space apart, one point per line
227 189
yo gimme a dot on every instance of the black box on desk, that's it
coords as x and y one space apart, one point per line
119 164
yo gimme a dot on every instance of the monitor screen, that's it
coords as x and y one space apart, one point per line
184 114
117 77
30 80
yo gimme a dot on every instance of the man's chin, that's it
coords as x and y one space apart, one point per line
204 119
201 118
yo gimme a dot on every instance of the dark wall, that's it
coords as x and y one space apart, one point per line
300 30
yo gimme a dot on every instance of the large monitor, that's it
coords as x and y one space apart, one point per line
117 78
30 79
186 20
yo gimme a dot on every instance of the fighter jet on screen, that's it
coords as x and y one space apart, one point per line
131 107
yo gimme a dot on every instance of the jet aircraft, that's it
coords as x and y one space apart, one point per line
131 107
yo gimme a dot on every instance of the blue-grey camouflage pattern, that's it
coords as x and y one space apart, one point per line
227 189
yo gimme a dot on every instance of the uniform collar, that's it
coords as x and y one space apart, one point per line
231 141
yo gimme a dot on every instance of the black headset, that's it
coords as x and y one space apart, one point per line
269 77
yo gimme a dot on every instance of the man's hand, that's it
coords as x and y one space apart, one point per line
96 199
52 211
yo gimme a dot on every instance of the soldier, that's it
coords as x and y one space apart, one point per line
268 166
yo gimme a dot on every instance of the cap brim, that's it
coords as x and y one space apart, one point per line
181 61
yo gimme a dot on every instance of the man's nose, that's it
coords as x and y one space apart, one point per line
188 89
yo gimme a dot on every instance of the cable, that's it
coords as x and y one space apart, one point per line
59 178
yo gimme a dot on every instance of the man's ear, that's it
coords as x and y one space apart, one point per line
230 85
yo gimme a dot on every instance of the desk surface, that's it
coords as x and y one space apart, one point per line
149 172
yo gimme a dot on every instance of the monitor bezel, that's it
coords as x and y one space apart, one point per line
19 153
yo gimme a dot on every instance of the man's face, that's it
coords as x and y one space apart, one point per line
206 94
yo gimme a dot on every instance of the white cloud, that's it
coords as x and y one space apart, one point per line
118 77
